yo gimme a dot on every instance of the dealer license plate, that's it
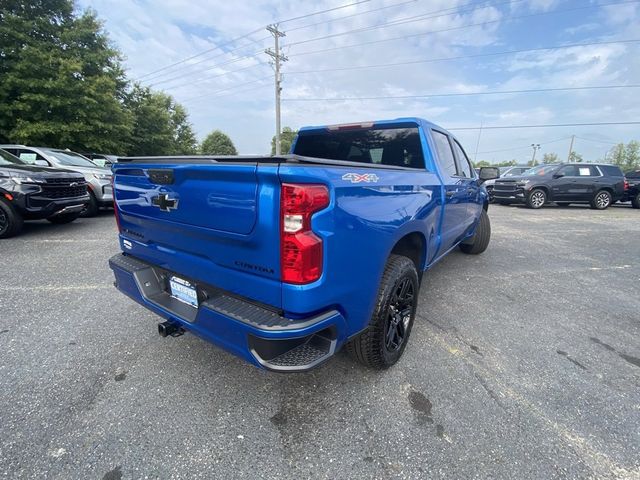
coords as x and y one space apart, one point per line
183 291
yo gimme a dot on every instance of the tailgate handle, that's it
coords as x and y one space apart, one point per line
160 176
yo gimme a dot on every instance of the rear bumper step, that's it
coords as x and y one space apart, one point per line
264 336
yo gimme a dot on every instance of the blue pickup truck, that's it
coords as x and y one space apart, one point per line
284 260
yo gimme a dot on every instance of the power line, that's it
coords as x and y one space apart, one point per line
460 57
236 39
321 12
403 37
183 74
403 21
289 30
461 94
210 77
597 141
548 125
523 147
199 54
227 89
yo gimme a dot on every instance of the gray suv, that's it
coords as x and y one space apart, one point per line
98 178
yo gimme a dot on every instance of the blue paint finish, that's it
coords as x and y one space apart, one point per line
226 232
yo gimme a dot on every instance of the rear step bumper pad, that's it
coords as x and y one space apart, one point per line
260 335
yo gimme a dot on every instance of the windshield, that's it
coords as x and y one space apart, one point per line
540 170
70 158
7 159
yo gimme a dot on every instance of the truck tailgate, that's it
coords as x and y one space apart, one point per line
211 219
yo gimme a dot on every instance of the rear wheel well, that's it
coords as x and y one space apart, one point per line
412 247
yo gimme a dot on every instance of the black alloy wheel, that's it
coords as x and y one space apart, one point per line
401 306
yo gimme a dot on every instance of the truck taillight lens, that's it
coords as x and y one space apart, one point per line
626 185
300 248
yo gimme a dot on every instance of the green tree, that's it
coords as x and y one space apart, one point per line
575 157
218 143
160 126
626 156
62 82
480 164
550 158
286 139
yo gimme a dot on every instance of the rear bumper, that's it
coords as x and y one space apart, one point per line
260 335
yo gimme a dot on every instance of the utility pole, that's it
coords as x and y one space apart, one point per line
573 137
277 59
536 147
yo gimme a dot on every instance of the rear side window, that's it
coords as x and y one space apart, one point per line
398 147
445 154
611 170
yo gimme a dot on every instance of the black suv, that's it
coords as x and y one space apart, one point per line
597 184
632 193
29 192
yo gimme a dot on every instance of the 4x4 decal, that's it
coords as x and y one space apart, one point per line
360 177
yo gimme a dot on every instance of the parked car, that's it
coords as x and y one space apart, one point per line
101 159
599 185
283 260
29 192
632 192
514 171
98 178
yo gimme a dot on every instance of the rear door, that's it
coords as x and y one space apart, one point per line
455 216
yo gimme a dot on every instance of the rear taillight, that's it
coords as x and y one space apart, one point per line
626 185
300 248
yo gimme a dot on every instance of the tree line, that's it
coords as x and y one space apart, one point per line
626 156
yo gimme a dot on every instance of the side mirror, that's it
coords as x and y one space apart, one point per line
41 163
489 173
558 175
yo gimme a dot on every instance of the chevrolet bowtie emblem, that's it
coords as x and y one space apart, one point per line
164 203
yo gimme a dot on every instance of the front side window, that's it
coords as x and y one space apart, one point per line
445 154
7 159
398 147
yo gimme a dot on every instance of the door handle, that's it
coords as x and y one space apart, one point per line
450 193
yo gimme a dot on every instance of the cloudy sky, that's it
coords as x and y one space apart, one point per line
437 47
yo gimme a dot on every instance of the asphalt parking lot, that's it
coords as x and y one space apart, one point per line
524 362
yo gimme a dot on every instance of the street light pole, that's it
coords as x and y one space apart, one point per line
536 147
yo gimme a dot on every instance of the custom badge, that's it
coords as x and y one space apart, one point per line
360 177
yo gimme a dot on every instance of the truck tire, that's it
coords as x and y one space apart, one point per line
480 240
91 210
635 201
537 198
10 221
381 345
63 218
601 200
